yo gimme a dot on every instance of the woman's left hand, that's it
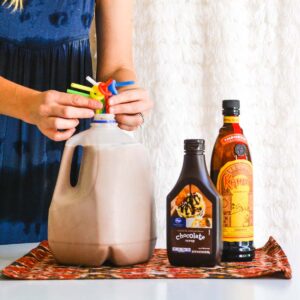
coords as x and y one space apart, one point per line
128 106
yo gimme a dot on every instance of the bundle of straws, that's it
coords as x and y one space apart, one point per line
100 91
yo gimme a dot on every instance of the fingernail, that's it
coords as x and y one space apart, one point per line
111 102
111 110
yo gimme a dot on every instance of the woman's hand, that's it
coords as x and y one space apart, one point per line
57 114
127 107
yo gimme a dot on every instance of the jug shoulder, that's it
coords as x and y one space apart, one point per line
101 136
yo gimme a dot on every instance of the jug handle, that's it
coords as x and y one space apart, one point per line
63 180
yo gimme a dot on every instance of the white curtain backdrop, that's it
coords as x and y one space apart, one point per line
192 54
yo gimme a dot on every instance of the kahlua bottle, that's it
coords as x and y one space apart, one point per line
231 172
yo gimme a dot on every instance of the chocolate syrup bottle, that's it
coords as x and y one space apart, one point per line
231 172
193 213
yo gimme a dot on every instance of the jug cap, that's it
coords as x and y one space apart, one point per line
104 118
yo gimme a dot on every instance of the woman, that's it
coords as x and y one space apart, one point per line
44 46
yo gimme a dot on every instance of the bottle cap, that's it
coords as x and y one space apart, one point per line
231 107
231 104
194 146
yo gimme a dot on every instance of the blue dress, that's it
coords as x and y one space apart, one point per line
44 46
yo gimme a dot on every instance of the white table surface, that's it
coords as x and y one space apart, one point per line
183 289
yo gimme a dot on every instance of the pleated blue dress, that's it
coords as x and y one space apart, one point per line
44 46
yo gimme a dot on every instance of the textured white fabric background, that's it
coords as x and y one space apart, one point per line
192 54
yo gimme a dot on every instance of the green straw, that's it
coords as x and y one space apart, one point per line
69 91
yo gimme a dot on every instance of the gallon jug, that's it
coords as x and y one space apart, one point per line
109 214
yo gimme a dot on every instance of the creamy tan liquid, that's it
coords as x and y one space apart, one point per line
109 214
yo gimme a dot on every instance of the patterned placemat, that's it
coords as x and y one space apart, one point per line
39 263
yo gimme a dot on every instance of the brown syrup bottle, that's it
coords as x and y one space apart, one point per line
231 172
193 213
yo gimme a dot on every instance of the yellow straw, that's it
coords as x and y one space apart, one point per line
80 87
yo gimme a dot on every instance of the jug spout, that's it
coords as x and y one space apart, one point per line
104 120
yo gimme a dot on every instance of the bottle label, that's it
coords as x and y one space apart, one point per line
235 137
235 185
191 222
231 119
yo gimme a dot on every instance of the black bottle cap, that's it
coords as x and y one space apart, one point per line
194 146
231 107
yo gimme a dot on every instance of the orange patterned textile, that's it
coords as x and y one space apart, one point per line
39 264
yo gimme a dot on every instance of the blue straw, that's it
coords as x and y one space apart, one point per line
124 83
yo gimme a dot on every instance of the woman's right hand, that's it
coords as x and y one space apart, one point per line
57 114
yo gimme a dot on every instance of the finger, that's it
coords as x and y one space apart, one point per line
59 135
130 120
128 96
60 123
79 101
127 128
71 112
130 108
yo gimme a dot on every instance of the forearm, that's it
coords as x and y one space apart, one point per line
119 74
114 40
15 99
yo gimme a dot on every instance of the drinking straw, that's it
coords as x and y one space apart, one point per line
91 80
95 93
80 87
69 91
112 87
124 83
99 111
105 89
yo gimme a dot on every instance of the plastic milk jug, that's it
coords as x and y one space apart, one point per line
109 215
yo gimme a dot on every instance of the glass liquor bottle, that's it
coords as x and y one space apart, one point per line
231 172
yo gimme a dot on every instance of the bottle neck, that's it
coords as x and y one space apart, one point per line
231 119
194 166
104 120
232 123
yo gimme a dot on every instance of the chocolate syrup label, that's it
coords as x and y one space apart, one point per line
191 222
